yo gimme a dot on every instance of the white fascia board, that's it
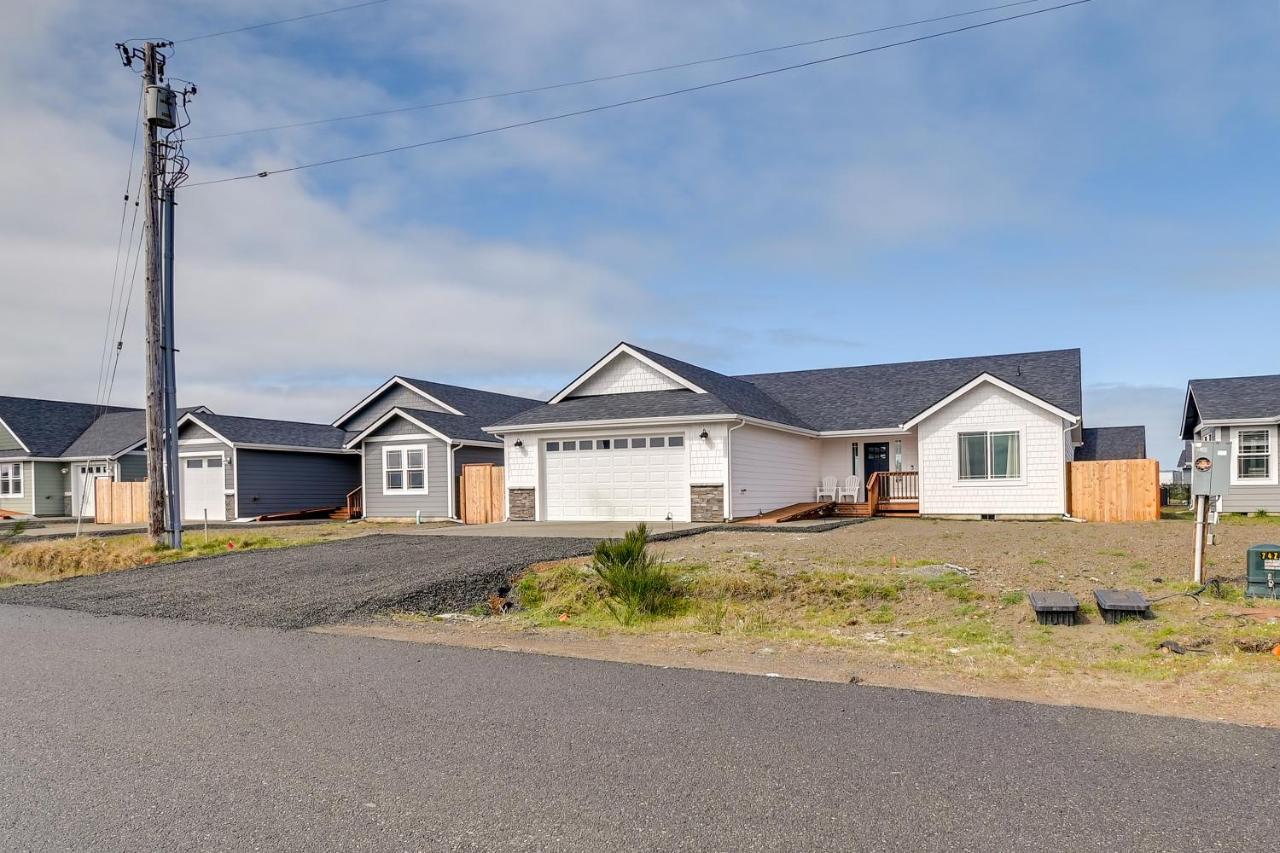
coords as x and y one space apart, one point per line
32 459
859 433
1186 403
622 349
1265 421
291 448
987 378
190 417
16 437
394 413
612 423
394 380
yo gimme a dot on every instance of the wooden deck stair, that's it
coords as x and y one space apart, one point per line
794 512
889 495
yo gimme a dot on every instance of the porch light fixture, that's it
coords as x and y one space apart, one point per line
519 442
703 435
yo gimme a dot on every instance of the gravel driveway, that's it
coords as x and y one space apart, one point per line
310 584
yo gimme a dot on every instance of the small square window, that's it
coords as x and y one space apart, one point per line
675 441
417 478
553 446
195 463
602 444
395 479
657 441
570 445
394 459
637 442
584 445
621 444
414 459
215 462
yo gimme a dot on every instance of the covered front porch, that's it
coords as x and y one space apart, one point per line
860 476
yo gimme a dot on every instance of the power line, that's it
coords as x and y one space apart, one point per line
282 21
608 77
630 101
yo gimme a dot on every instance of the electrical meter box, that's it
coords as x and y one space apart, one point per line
1264 571
1210 468
162 106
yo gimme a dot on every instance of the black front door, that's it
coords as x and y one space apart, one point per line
875 458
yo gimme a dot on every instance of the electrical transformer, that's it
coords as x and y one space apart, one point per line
1264 571
162 106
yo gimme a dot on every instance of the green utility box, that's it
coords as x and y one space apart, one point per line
1264 571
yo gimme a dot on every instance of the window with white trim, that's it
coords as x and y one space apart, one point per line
404 470
989 456
1253 458
11 480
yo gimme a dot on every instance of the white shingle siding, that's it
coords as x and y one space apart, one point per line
1041 488
521 462
625 375
708 459
771 469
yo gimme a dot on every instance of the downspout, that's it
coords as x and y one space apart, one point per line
1066 469
453 511
728 469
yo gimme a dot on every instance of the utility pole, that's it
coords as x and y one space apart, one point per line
152 163
170 382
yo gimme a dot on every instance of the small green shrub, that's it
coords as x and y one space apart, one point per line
953 586
528 592
636 582
1013 596
711 617
882 615
1260 513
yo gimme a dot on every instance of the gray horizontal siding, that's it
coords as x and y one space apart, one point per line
1251 498
192 432
434 504
270 481
8 441
133 468
396 396
49 484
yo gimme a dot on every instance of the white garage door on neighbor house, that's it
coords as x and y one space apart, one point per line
631 478
203 487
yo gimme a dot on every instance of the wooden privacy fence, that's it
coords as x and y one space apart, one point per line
482 493
119 503
1115 490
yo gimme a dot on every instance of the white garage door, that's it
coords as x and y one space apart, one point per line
616 479
203 487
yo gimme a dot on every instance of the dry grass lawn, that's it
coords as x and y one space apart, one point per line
38 561
868 602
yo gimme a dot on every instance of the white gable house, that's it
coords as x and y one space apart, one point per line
641 436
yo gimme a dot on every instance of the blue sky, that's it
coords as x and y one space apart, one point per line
1103 176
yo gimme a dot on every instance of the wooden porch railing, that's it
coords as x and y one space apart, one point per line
355 502
886 487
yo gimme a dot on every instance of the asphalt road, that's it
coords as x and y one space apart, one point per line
119 733
310 584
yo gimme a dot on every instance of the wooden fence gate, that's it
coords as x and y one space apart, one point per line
119 503
1115 490
482 493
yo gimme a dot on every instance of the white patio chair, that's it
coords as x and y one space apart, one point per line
827 488
849 491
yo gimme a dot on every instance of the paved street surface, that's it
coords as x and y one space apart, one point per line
126 734
309 584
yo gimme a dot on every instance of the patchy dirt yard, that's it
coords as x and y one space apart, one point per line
38 561
870 603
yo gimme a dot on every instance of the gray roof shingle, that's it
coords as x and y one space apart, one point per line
456 427
488 406
49 427
113 433
1234 398
881 396
1102 443
274 433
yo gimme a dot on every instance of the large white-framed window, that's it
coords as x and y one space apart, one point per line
990 455
404 470
1253 454
11 480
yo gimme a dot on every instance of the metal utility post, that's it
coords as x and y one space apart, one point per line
1197 574
170 384
152 162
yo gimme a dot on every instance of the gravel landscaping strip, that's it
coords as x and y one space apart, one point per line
310 584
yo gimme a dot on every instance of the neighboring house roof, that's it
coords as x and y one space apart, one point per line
114 433
48 427
1102 443
1238 398
488 406
1184 458
271 433
882 396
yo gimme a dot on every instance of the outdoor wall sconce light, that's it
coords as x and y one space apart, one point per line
703 435
519 442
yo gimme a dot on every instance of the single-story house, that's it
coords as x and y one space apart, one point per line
413 437
643 436
241 468
1099 444
1244 410
53 451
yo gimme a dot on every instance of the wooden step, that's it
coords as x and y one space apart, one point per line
794 512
